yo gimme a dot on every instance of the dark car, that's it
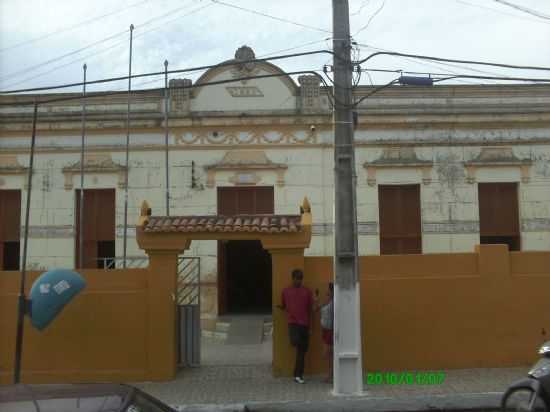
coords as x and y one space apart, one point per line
78 398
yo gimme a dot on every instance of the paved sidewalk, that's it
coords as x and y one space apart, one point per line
235 375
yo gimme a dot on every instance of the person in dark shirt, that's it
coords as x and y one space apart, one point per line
297 300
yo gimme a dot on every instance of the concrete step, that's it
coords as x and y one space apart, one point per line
215 330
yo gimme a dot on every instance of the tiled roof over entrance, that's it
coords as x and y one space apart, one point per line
225 224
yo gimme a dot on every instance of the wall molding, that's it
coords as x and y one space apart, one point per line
496 157
93 164
399 158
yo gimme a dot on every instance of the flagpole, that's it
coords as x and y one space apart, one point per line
166 137
82 145
22 301
127 150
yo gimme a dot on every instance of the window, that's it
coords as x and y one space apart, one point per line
10 227
99 228
499 214
400 222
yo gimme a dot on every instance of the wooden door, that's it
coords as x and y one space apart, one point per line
10 229
234 201
400 219
99 225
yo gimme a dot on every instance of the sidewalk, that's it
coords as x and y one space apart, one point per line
232 376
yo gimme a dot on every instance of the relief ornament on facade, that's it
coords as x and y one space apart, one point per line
399 157
95 163
494 157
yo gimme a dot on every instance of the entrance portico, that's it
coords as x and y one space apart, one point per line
284 236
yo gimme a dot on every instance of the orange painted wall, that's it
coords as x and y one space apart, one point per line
100 336
482 309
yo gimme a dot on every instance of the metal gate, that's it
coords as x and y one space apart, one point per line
188 301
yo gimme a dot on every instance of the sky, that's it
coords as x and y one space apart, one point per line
45 42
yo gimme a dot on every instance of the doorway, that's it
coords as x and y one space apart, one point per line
244 267
248 274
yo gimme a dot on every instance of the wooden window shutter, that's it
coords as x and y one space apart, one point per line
400 219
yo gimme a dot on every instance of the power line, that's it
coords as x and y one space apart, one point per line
371 19
517 16
524 9
135 76
417 56
222 3
74 26
18 73
147 22
360 9
436 64
161 89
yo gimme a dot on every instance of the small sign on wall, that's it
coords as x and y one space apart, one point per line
245 179
245 91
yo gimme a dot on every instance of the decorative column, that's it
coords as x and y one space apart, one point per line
161 339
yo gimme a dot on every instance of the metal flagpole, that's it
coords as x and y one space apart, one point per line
166 137
127 150
22 299
81 208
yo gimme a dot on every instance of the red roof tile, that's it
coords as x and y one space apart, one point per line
232 224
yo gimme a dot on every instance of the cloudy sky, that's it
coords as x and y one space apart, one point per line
45 42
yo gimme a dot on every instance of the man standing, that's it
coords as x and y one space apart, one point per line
297 300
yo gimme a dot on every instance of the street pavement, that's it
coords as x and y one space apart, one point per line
238 378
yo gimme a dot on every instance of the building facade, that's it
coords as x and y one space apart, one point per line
439 169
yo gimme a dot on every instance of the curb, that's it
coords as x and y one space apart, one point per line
489 401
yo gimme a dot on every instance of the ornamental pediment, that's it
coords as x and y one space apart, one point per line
10 165
491 157
399 157
95 163
245 164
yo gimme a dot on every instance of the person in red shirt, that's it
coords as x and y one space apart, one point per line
297 300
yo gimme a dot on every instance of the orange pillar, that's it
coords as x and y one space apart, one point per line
284 261
161 319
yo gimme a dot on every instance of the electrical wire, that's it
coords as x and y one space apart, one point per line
36 66
135 76
72 27
223 3
517 16
138 36
524 9
360 9
160 89
53 60
441 59
371 19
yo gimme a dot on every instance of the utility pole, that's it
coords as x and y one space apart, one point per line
348 373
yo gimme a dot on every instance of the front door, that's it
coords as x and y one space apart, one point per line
239 283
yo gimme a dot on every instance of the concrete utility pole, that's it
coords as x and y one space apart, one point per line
348 374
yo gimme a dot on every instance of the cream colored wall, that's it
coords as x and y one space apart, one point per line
450 211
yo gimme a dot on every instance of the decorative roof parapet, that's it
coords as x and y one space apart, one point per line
310 93
180 95
244 163
497 157
95 163
399 157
